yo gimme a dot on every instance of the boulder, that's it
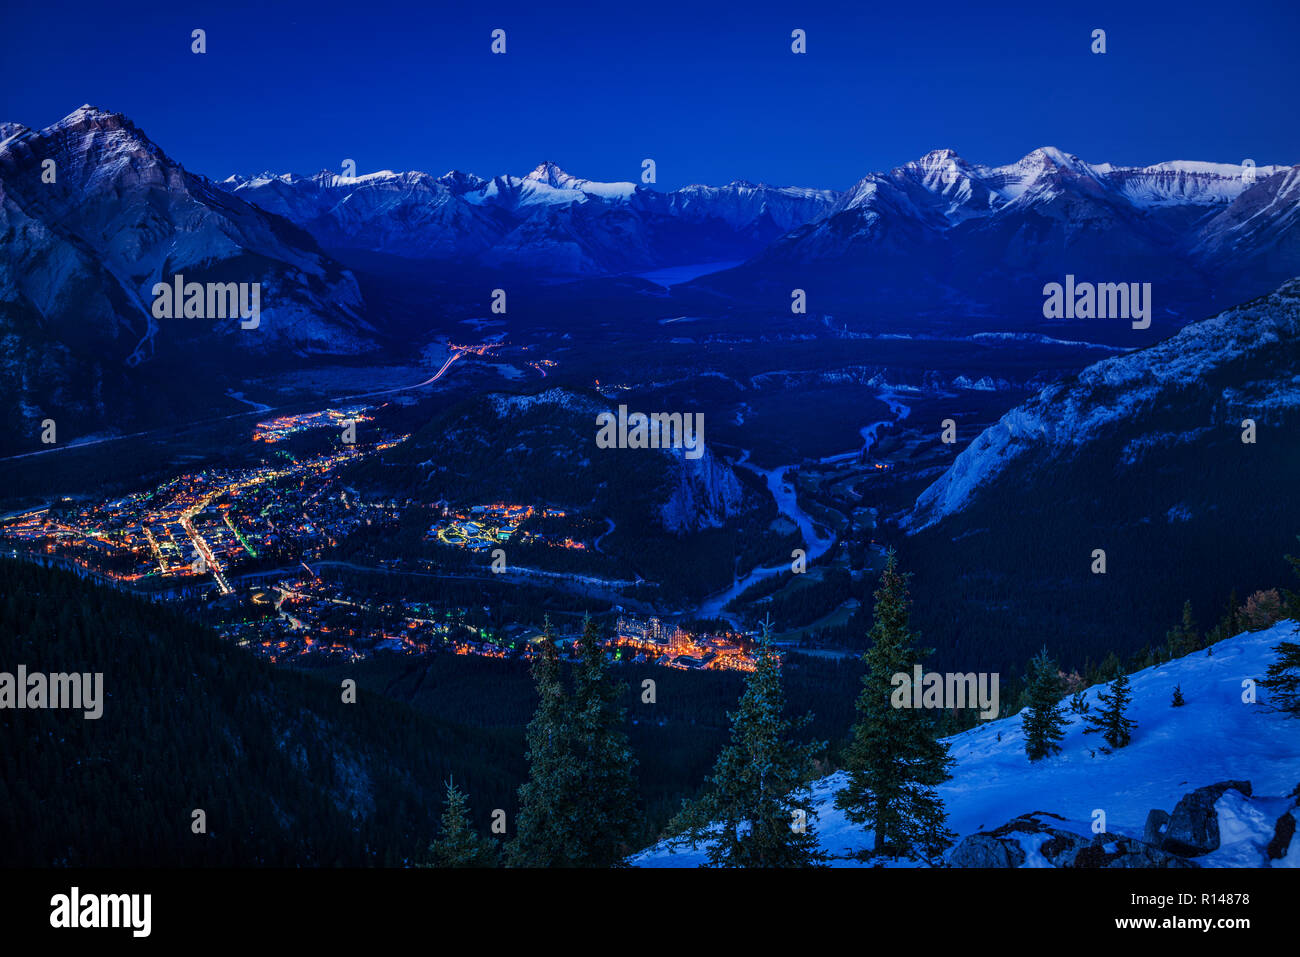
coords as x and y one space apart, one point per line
1154 831
985 850
1194 826
1112 851
1283 834
1057 846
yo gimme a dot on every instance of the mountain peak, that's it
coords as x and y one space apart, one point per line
9 130
459 181
1051 156
938 158
943 161
551 174
86 113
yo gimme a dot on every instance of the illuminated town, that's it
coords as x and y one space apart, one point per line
239 544
305 615
205 524
484 526
277 430
655 640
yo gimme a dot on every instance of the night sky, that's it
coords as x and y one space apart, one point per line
710 91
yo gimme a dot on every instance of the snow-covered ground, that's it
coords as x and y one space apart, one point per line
1214 737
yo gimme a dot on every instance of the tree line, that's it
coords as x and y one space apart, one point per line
578 805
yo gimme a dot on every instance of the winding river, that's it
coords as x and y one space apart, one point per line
787 503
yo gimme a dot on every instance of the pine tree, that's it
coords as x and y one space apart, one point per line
1183 638
1110 667
896 758
1043 719
1110 721
1178 699
758 797
1283 678
609 794
578 806
458 845
548 811
1293 597
1234 614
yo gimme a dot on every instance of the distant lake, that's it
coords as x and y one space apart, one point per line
674 275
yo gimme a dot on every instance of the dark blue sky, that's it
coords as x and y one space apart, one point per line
709 90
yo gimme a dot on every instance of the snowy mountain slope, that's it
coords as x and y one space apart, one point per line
1214 737
1246 361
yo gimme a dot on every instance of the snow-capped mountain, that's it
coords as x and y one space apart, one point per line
93 215
1240 760
85 244
548 221
941 232
383 212
945 190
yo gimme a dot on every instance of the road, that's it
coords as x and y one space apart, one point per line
457 352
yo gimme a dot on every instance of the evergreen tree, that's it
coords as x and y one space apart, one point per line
1110 668
1043 719
608 792
548 811
758 797
1178 699
578 808
458 845
1293 597
1110 721
896 759
1283 678
1183 638
1227 626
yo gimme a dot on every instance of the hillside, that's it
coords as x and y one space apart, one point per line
1213 738
1141 455
287 774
